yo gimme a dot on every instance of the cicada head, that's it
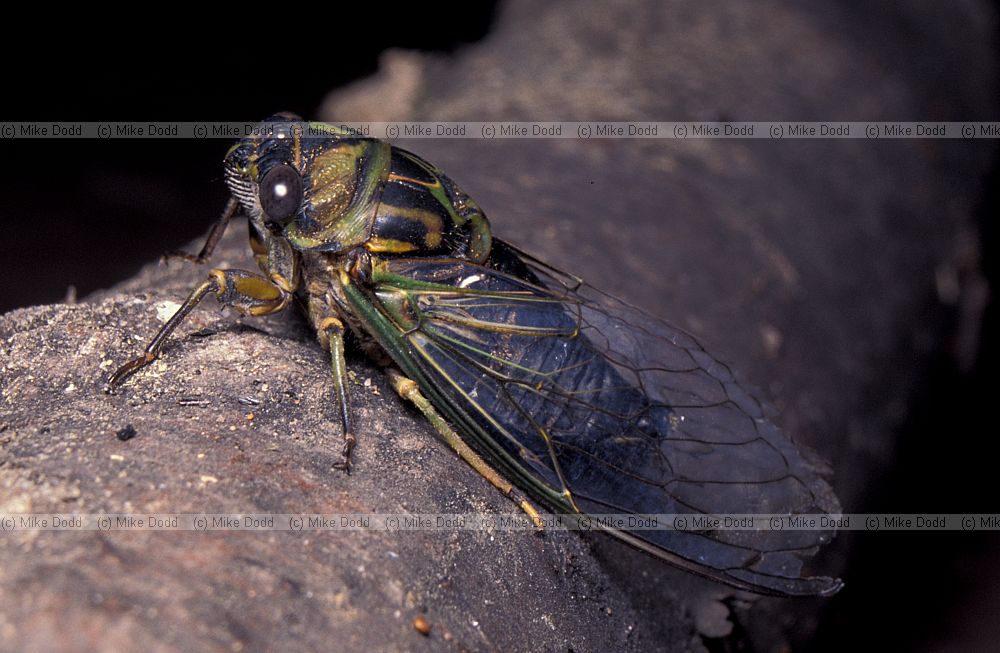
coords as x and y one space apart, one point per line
317 184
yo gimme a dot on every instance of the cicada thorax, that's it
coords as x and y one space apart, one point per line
364 193
424 213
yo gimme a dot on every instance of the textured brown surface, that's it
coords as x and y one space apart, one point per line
810 265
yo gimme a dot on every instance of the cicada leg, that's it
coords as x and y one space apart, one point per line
334 330
249 293
214 235
408 390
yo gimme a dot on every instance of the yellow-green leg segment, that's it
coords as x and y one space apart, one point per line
334 330
408 390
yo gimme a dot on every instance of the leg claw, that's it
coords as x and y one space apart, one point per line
184 256
344 464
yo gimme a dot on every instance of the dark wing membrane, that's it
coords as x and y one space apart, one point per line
569 389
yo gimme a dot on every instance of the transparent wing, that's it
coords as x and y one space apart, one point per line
594 406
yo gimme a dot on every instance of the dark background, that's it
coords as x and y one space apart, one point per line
89 213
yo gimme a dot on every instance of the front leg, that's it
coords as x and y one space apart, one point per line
214 236
249 293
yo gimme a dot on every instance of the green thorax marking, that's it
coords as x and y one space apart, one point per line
362 191
344 181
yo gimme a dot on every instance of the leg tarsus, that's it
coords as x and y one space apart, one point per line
179 254
344 464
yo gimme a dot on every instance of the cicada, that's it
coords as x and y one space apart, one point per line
559 394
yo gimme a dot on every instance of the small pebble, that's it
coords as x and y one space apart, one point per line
421 625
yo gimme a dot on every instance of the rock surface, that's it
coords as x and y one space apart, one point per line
809 264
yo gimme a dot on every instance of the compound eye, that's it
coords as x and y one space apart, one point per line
281 193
